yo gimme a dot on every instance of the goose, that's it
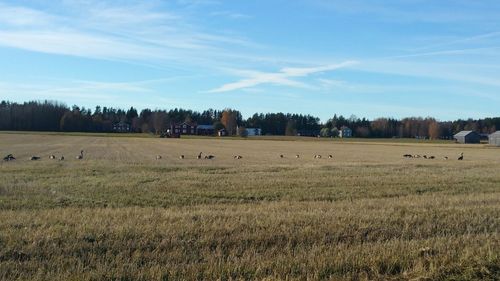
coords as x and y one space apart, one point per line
282 156
199 156
52 157
9 157
158 157
461 156
34 158
297 156
181 157
61 158
330 156
209 157
80 156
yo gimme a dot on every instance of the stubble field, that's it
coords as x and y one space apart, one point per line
366 214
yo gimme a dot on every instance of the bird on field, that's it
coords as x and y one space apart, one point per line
34 158
408 156
52 157
297 156
282 156
181 157
158 157
80 156
317 156
330 156
461 156
199 155
432 157
61 158
237 157
446 158
209 157
425 156
9 157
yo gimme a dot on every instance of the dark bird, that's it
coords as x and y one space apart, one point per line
9 157
34 158
158 157
181 157
297 156
80 156
199 155
461 156
61 158
209 157
282 156
52 157
237 157
330 156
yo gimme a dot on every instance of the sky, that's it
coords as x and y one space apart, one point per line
368 58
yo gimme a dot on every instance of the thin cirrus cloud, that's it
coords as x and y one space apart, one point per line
282 78
135 32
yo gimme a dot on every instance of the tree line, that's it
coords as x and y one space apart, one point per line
54 116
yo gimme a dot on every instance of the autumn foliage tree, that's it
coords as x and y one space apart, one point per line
434 130
229 120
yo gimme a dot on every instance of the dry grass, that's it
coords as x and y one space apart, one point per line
367 214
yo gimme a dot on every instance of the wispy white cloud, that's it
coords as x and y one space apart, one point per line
134 31
452 52
78 44
231 15
278 78
428 11
16 16
459 41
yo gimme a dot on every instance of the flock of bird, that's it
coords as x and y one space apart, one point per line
11 157
200 156
461 157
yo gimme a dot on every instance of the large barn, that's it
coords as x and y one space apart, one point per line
467 137
494 138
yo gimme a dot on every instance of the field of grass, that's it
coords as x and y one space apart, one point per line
366 214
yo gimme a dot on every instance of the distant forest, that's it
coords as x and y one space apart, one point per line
54 116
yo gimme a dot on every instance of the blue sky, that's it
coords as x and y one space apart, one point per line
370 58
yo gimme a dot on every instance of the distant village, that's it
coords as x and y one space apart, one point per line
185 128
174 123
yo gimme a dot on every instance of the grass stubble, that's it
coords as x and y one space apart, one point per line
367 214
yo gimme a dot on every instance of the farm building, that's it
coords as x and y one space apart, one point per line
494 138
183 128
467 137
345 132
254 131
121 127
205 130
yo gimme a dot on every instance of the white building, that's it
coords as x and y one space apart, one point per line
494 139
254 131
345 132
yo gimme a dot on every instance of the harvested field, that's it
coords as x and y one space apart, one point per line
366 214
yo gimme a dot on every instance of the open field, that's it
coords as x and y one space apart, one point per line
366 214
